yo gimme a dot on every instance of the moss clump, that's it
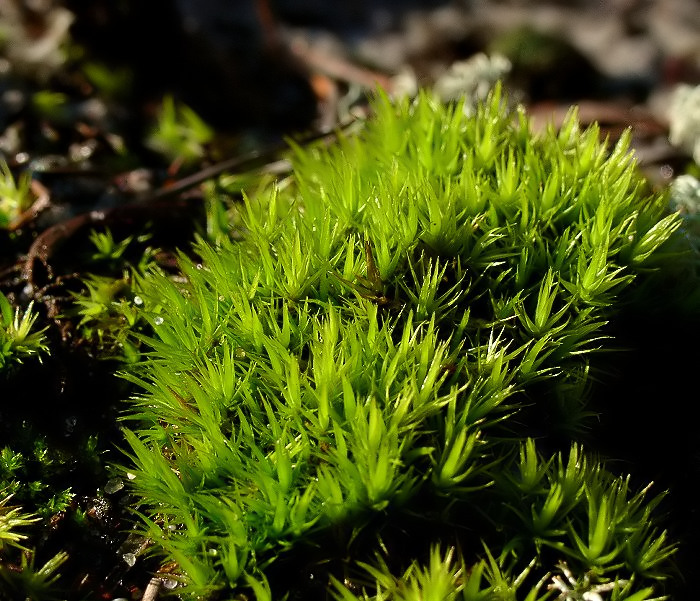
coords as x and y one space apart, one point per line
355 386
18 337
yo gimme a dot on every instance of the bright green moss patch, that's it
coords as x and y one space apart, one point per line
356 384
18 336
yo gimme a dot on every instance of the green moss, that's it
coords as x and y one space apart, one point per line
365 372
15 195
18 336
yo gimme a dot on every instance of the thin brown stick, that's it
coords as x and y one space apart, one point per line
249 161
48 242
338 68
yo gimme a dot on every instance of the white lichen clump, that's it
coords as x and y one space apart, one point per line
473 78
685 198
469 80
685 195
684 120
36 50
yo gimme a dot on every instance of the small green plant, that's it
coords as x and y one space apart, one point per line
106 247
109 315
110 81
367 369
111 253
15 195
18 339
108 307
180 134
51 105
32 583
11 519
23 580
29 470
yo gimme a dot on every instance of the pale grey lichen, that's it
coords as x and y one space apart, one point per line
469 80
472 78
684 120
685 198
685 195
35 51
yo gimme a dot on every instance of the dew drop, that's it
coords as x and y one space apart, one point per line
138 300
113 485
158 320
666 171
130 559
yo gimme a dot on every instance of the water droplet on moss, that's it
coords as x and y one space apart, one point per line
114 485
169 583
